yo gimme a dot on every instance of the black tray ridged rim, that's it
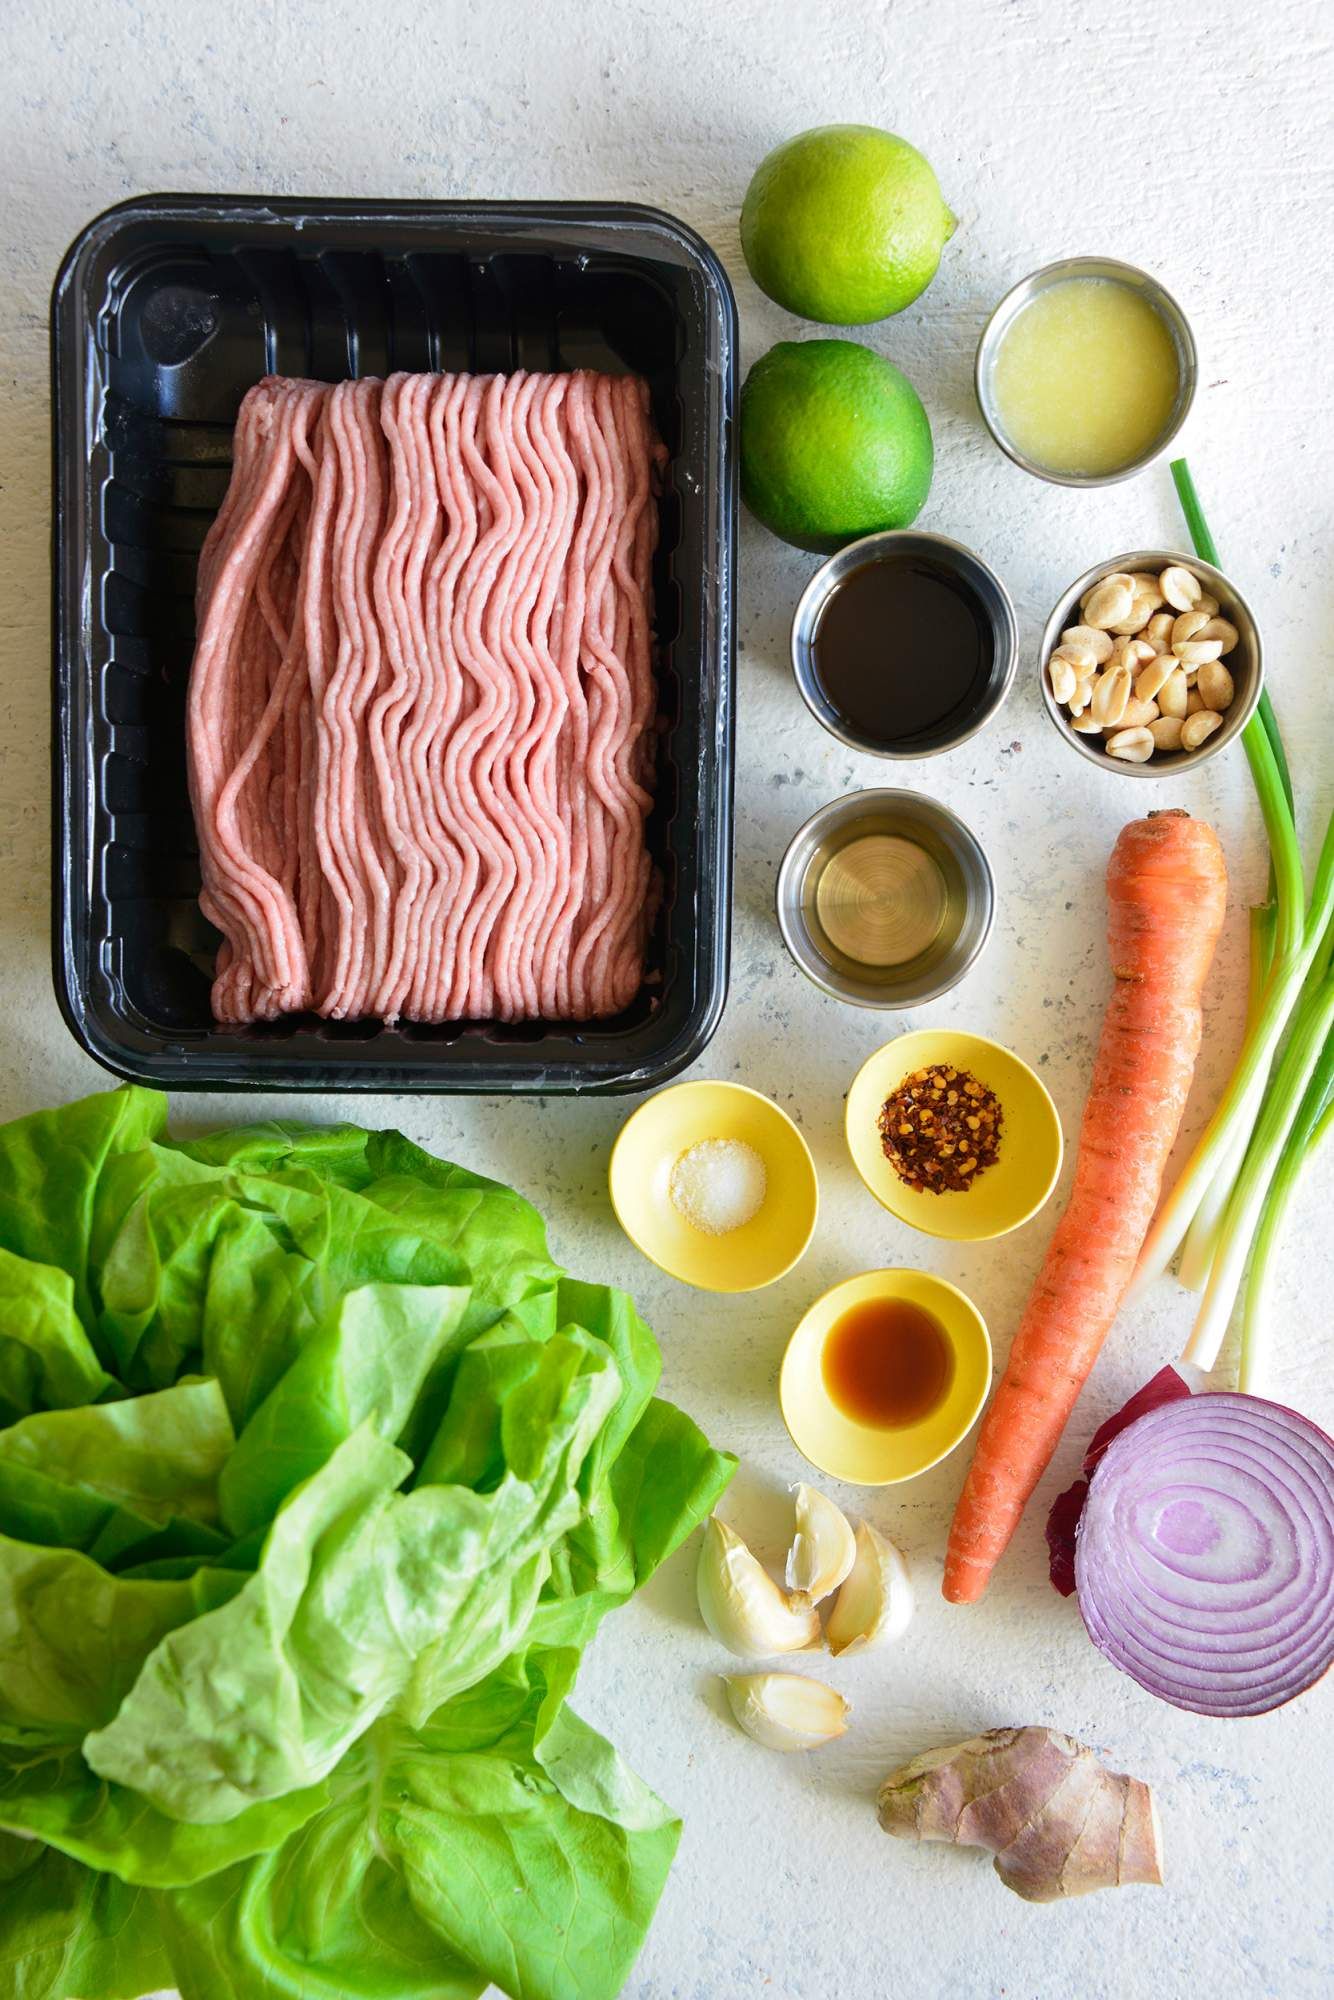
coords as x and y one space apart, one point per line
251 208
174 1065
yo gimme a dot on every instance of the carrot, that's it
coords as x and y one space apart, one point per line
1166 887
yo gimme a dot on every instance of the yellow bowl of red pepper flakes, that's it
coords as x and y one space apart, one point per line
954 1134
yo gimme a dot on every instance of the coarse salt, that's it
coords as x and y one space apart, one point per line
718 1185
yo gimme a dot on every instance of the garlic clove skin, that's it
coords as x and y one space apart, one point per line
823 1548
876 1603
786 1711
742 1605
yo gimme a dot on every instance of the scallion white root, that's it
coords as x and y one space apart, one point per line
1201 1244
1311 1024
1315 1122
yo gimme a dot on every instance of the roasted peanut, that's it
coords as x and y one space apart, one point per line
1132 746
1219 628
1173 696
1215 685
1138 616
1063 679
1154 676
1196 728
1084 723
1196 652
1090 636
1109 601
1209 605
1194 703
1166 732
1181 588
1077 652
1128 651
1111 692
1158 631
1186 625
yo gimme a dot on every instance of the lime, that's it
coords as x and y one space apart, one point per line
834 443
844 224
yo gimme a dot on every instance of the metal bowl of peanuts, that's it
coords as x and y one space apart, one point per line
1151 663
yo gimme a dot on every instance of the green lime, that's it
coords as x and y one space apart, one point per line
844 224
834 443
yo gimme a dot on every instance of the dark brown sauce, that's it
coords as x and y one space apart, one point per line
887 1363
903 651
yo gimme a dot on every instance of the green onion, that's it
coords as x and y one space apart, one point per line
1201 1244
1310 1026
1311 1127
1279 1103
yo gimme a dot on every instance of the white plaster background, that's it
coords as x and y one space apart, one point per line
1196 141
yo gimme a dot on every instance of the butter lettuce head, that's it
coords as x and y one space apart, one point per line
316 1476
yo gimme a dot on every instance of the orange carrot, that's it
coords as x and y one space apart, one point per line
1166 887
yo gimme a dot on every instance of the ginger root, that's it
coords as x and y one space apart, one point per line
1058 1822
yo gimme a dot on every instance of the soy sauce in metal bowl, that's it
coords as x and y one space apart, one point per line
903 644
903 650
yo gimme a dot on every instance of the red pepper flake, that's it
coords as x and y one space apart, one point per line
940 1129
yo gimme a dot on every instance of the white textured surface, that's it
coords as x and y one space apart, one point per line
1196 141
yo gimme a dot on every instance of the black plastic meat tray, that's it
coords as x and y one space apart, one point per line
164 312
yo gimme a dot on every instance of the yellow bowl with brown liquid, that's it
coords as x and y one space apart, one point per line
865 1454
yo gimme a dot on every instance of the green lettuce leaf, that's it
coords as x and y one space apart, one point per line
117 1478
167 1237
50 1794
415 1219
650 1477
73 1638
264 1301
504 1841
373 1363
47 1361
67 1933
202 1266
316 1474
218 1718
550 1400
361 1596
51 1165
667 1478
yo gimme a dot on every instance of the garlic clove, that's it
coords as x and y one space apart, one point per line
876 1603
742 1605
823 1548
786 1711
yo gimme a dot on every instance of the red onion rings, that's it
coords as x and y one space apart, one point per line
1205 1555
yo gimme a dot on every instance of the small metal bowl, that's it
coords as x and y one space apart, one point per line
972 572
969 898
1183 340
1244 663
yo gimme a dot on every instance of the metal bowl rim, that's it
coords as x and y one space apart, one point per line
1041 280
818 588
1181 760
787 867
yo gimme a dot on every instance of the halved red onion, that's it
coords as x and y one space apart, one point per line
1066 1509
1204 1562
